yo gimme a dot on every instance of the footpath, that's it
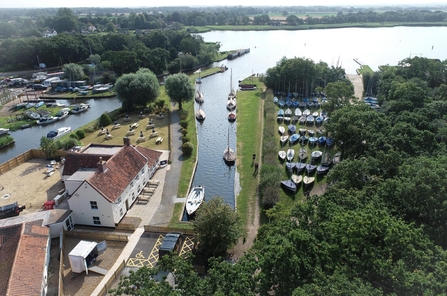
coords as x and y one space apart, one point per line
158 211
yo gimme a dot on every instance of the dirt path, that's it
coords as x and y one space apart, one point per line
357 81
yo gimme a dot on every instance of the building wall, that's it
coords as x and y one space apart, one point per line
83 213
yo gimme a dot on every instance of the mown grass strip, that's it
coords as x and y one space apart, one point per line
249 134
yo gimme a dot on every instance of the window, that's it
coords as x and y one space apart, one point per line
94 205
137 177
118 201
133 195
131 184
121 211
96 221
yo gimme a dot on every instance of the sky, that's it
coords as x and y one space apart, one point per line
152 3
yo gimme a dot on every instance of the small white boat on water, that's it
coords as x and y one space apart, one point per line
46 120
200 115
4 131
194 199
62 114
79 108
56 134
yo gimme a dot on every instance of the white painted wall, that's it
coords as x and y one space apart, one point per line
79 203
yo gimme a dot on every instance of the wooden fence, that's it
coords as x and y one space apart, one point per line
61 265
112 279
24 157
97 235
161 229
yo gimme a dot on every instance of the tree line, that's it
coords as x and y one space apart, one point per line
32 22
158 50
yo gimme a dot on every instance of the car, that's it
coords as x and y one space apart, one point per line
171 244
39 87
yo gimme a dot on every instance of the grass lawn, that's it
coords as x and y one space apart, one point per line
249 136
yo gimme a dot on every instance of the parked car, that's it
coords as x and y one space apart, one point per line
171 243
39 87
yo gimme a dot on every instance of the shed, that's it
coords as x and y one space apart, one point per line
84 255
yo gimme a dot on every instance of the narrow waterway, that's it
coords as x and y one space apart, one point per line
214 133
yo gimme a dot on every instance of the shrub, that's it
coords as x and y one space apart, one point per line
70 143
183 114
184 124
74 136
185 139
80 134
105 119
187 148
270 196
184 131
183 117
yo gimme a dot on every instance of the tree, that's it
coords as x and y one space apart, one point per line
179 88
339 94
137 89
48 147
217 226
110 27
73 71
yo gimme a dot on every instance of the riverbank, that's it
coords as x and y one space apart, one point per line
205 29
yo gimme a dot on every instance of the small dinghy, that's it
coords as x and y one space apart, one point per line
297 179
289 185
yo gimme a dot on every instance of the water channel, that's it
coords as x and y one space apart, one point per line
374 47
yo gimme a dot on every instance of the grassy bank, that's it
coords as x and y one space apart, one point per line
311 27
249 136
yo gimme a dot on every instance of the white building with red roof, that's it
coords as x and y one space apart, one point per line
103 181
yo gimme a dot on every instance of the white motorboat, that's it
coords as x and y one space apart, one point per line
61 114
56 134
46 120
4 131
194 199
79 108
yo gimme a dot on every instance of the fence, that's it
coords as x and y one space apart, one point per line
161 229
24 157
61 265
96 235
112 279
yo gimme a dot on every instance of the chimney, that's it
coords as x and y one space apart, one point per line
101 164
126 141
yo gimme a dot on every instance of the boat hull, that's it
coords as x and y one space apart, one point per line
194 199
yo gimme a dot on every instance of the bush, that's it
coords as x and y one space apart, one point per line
70 143
185 139
183 117
183 114
187 148
80 134
74 136
270 196
184 131
105 119
184 124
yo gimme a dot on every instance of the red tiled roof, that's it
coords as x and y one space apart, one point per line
151 155
9 242
119 171
76 161
29 266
